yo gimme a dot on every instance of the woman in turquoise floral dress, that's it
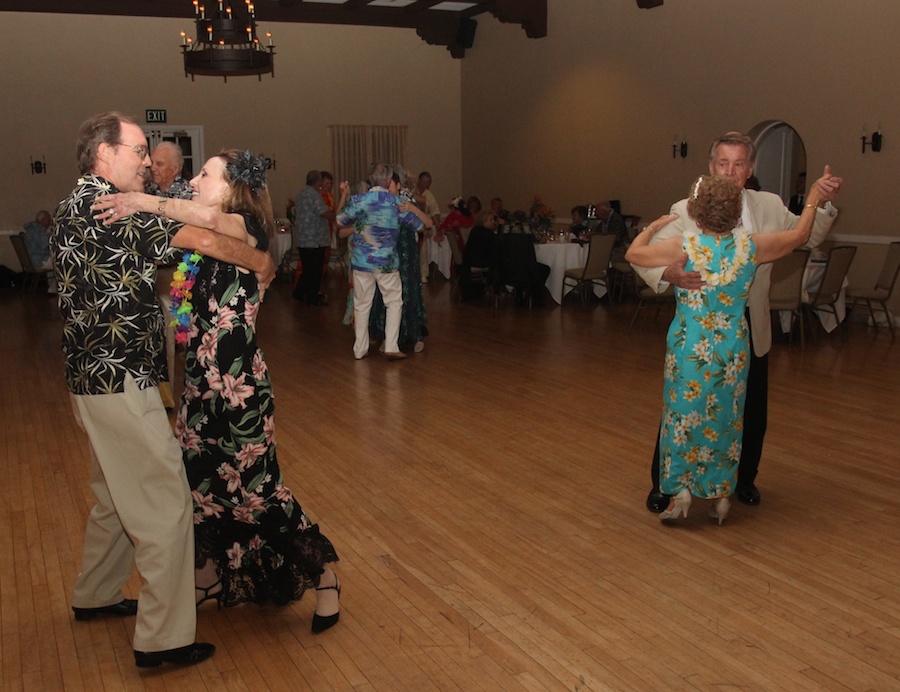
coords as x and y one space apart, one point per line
707 354
253 541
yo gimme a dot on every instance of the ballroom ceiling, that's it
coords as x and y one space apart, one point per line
438 22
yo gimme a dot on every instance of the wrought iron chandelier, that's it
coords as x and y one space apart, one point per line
227 44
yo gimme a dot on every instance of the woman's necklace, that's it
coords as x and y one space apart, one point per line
182 285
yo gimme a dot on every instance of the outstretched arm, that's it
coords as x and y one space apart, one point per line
661 253
122 204
771 246
227 249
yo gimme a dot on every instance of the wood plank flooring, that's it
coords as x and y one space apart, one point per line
487 500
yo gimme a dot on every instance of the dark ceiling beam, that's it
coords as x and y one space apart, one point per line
437 27
530 14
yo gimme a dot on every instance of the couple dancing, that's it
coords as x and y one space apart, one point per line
244 538
708 344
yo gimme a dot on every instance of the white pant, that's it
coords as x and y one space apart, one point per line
363 293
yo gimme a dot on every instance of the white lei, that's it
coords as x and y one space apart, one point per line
700 255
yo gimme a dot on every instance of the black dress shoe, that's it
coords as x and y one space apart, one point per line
123 608
182 656
749 495
657 501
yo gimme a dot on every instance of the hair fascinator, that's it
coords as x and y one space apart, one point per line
250 170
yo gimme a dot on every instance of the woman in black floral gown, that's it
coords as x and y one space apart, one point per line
253 541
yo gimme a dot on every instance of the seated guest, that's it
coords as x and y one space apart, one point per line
517 268
37 244
459 217
503 217
579 225
611 223
479 252
473 204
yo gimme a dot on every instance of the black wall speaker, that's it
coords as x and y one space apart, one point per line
649 4
465 35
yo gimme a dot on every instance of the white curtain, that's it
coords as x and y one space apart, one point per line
389 143
354 148
349 154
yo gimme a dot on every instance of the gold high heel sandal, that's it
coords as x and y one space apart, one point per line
678 506
720 509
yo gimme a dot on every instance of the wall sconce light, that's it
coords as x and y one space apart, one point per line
874 143
679 147
38 167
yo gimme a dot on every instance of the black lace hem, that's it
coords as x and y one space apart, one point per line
276 564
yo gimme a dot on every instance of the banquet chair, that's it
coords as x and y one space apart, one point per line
478 256
287 266
648 298
595 269
883 289
340 252
622 275
829 291
33 275
786 288
517 268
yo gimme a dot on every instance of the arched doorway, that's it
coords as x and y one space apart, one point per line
780 158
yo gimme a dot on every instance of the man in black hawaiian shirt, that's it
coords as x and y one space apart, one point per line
113 345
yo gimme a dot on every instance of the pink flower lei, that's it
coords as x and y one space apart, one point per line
182 285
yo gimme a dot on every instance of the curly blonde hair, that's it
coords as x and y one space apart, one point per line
714 203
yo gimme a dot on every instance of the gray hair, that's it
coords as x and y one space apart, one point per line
176 151
380 175
402 172
738 138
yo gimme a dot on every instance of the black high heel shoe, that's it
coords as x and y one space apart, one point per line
320 623
207 596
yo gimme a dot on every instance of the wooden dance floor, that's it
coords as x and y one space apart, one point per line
487 500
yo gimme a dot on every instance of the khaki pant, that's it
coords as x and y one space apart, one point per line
363 293
143 516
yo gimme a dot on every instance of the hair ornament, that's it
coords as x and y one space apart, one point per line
697 187
250 170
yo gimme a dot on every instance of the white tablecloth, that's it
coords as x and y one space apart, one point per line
559 257
278 246
441 255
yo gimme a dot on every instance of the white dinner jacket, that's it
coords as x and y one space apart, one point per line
767 214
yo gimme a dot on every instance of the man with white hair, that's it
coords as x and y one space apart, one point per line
733 156
166 162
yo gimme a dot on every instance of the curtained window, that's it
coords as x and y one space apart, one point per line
354 148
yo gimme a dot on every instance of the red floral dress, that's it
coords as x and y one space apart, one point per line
245 519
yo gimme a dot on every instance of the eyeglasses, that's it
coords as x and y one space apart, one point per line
141 150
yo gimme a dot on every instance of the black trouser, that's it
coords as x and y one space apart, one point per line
755 419
310 279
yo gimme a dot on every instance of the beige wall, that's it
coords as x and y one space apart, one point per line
587 113
59 69
590 112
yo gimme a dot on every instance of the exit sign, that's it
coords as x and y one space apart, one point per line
156 116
